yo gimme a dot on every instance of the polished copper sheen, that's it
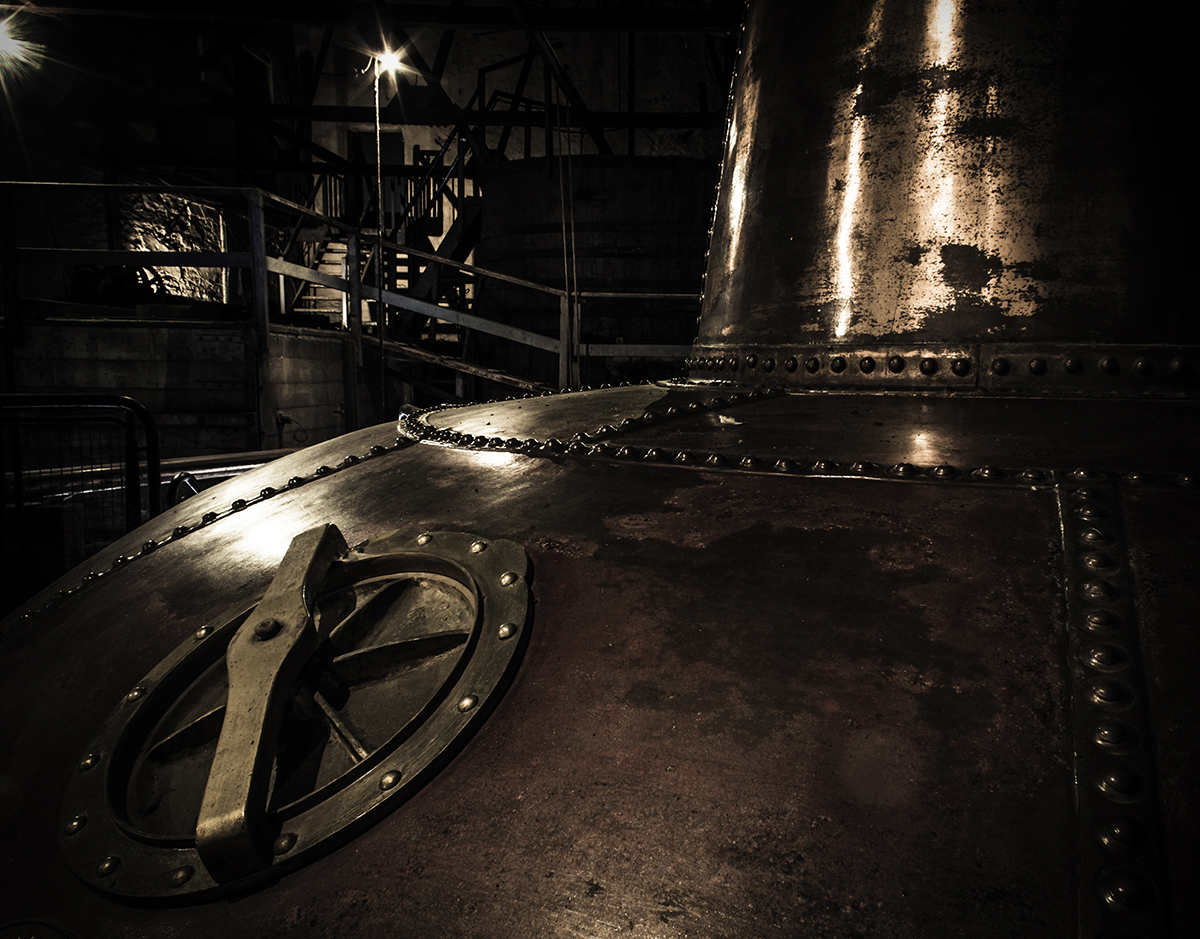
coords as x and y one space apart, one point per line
947 172
880 624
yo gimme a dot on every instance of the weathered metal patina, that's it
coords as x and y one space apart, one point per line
877 632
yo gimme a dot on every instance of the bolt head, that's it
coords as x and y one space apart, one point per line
203 632
1037 366
1110 365
929 366
478 546
136 694
866 365
389 780
961 367
424 539
75 825
812 364
1072 365
89 762
180 876
108 866
468 703
896 363
508 578
838 364
1119 835
1000 366
284 843
267 629
507 630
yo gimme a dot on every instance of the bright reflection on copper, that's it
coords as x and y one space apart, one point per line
737 196
941 31
845 263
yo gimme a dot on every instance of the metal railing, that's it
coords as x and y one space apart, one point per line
79 471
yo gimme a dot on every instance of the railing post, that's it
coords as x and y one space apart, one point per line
564 342
258 268
352 361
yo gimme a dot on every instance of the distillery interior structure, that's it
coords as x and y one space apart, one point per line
495 468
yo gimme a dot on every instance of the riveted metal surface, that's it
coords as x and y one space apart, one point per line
815 687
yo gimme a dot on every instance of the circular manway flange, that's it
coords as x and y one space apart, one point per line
411 640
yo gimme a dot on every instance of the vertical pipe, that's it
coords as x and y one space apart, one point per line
258 268
564 341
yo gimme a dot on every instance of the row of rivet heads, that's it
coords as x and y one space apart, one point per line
208 518
1178 367
928 365
1116 809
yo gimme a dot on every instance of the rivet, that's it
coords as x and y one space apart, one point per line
812 364
1125 890
553 444
295 481
238 504
1180 366
671 411
825 466
1086 473
94 575
180 876
424 539
203 632
136 694
1107 692
790 363
1072 365
267 629
896 363
733 363
904 469
89 762
1099 590
1110 365
508 578
1119 835
1120 782
945 471
75 825
467 703
683 456
1090 513
284 843
1104 657
1033 475
991 472
119 560
1112 734
478 546
389 779
495 443
787 466
324 470
751 360
929 366
866 365
577 448
961 367
748 462
626 453
1037 366
181 531
268 491
1143 367
768 364
377 450
1103 621
601 449
715 459
108 866
1136 478
863 468
1094 537
999 366
654 455
837 364
512 443
1096 561
1186 479
507 630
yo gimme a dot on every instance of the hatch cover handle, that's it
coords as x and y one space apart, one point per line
233 834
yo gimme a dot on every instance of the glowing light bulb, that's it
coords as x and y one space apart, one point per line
388 61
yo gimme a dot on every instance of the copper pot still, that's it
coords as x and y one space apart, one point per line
878 624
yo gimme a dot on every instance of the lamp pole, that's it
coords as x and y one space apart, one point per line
380 315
